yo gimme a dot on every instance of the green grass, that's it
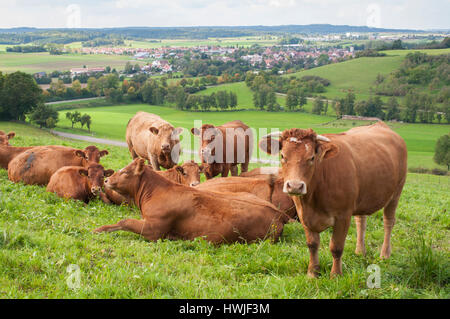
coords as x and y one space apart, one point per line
37 62
110 122
358 75
41 235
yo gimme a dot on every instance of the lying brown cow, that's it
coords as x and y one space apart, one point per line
186 174
334 177
269 189
225 151
80 183
38 164
150 137
173 211
262 172
8 152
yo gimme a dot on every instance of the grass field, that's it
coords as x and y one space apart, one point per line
41 235
37 62
110 122
358 75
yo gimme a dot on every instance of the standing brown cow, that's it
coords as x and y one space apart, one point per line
38 164
150 137
332 178
224 147
269 188
8 152
186 174
174 211
79 183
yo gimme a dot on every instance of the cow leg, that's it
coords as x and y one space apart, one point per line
337 242
389 221
234 170
154 162
244 167
225 170
361 222
313 243
140 227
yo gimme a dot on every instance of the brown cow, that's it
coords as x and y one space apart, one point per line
79 183
8 152
225 151
269 189
262 172
4 138
174 211
332 178
186 174
38 164
150 137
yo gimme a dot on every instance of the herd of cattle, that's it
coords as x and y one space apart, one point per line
323 181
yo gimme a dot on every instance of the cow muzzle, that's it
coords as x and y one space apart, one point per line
294 187
165 147
194 184
96 190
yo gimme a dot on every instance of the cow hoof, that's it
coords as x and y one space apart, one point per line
312 274
98 230
335 275
359 251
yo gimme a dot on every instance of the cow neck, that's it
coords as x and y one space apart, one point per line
149 183
318 173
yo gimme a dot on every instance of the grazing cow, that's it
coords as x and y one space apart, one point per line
38 164
186 174
8 152
174 211
4 138
150 137
215 143
79 183
336 176
270 189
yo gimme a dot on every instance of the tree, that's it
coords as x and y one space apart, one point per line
74 117
233 100
302 99
86 120
19 95
42 113
442 151
291 100
271 101
393 110
317 106
180 98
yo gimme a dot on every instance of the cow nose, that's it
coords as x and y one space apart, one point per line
95 190
194 184
295 187
165 146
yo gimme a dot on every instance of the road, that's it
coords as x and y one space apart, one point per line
76 100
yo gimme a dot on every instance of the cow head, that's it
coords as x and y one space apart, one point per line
189 173
208 135
301 152
126 181
91 154
4 138
96 175
167 137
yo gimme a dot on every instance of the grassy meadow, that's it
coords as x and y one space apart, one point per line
41 235
110 122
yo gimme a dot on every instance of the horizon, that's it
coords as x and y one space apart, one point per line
84 14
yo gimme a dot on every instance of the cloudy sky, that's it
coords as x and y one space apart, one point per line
412 14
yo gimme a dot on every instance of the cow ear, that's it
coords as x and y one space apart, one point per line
195 131
83 172
180 169
80 153
327 150
154 130
177 131
103 153
11 135
270 146
140 166
108 173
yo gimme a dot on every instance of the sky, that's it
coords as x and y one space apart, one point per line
400 14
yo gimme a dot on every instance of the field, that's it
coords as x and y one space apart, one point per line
37 62
41 235
359 74
110 122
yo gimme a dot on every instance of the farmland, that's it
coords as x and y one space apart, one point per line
41 235
110 122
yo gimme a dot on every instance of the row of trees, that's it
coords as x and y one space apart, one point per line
76 117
